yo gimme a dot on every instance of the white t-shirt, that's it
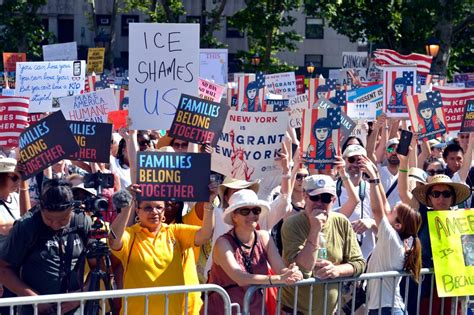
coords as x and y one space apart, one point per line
14 207
368 237
123 173
388 255
387 179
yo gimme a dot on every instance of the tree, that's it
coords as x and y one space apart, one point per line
21 29
400 25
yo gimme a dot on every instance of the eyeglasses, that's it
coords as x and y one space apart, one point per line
182 145
325 198
435 172
445 194
150 208
300 177
14 178
246 211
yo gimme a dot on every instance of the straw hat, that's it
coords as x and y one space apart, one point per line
244 198
462 191
7 165
233 183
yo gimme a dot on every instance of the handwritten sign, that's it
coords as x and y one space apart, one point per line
93 140
164 63
60 52
249 144
213 65
10 60
95 60
92 106
467 124
45 143
210 91
427 115
281 83
398 82
452 244
13 119
43 81
173 176
360 131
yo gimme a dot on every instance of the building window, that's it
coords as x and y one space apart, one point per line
65 29
193 19
127 19
232 32
314 28
103 19
317 60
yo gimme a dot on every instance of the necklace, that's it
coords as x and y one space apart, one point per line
6 200
242 244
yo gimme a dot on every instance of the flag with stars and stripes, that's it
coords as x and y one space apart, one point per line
427 115
454 101
13 119
250 98
260 79
276 105
320 87
338 97
384 57
397 84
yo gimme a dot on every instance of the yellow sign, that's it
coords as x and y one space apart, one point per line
452 243
95 60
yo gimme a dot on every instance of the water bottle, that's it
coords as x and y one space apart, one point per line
322 251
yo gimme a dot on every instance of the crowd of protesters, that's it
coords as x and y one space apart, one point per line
367 214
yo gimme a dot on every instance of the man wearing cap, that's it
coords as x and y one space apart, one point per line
436 148
306 233
389 172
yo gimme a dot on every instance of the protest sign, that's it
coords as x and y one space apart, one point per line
361 111
92 106
10 60
399 81
198 121
213 65
360 131
43 81
281 83
173 176
319 88
427 115
320 135
164 63
13 119
300 88
467 124
118 118
95 60
33 118
250 95
60 52
8 92
232 92
210 91
373 95
93 140
452 244
121 97
276 105
347 124
249 144
45 143
299 101
355 59
454 100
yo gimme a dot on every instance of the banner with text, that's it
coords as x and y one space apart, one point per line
367 95
427 115
454 100
281 83
93 106
93 140
95 60
13 119
213 65
467 124
60 52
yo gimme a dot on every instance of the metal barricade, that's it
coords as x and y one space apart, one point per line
350 306
83 297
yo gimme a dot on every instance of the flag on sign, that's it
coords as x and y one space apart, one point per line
398 83
13 119
391 57
337 97
260 79
90 83
251 97
320 87
232 91
276 105
426 115
454 100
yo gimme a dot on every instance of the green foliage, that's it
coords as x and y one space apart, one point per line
166 11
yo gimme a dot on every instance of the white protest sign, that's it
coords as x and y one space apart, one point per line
213 65
164 62
60 52
249 144
44 81
299 101
281 83
360 131
361 111
354 59
297 105
92 106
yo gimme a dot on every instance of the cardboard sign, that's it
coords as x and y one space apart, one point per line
93 106
93 140
213 65
210 91
45 143
249 144
198 121
95 60
173 176
43 81
118 118
398 82
13 119
454 101
452 244
427 115
60 52
467 124
281 83
10 60
164 63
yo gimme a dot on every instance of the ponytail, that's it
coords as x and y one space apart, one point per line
413 259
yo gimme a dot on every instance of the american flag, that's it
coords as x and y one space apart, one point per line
337 97
276 105
101 84
260 79
390 96
242 96
321 84
438 119
232 91
13 119
120 96
454 100
90 83
408 76
391 57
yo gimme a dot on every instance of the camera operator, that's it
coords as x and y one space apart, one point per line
44 253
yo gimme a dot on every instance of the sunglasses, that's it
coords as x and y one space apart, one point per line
300 177
445 194
390 149
435 172
325 198
14 178
182 145
150 209
246 211
351 159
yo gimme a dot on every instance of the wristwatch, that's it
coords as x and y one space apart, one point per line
374 181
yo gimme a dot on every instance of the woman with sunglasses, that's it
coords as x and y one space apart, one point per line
244 256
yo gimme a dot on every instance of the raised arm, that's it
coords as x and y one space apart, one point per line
353 197
204 234
405 195
424 155
466 166
120 223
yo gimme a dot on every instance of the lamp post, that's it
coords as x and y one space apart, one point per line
432 47
310 69
255 61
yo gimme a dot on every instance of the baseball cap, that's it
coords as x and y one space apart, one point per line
354 149
433 143
319 184
392 142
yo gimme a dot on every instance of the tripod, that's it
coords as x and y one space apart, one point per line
100 251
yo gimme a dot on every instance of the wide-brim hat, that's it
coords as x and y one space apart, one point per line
7 165
462 191
417 174
91 191
244 198
233 183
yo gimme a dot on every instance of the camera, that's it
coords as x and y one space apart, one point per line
99 181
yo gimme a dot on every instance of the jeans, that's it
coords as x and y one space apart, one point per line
387 311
